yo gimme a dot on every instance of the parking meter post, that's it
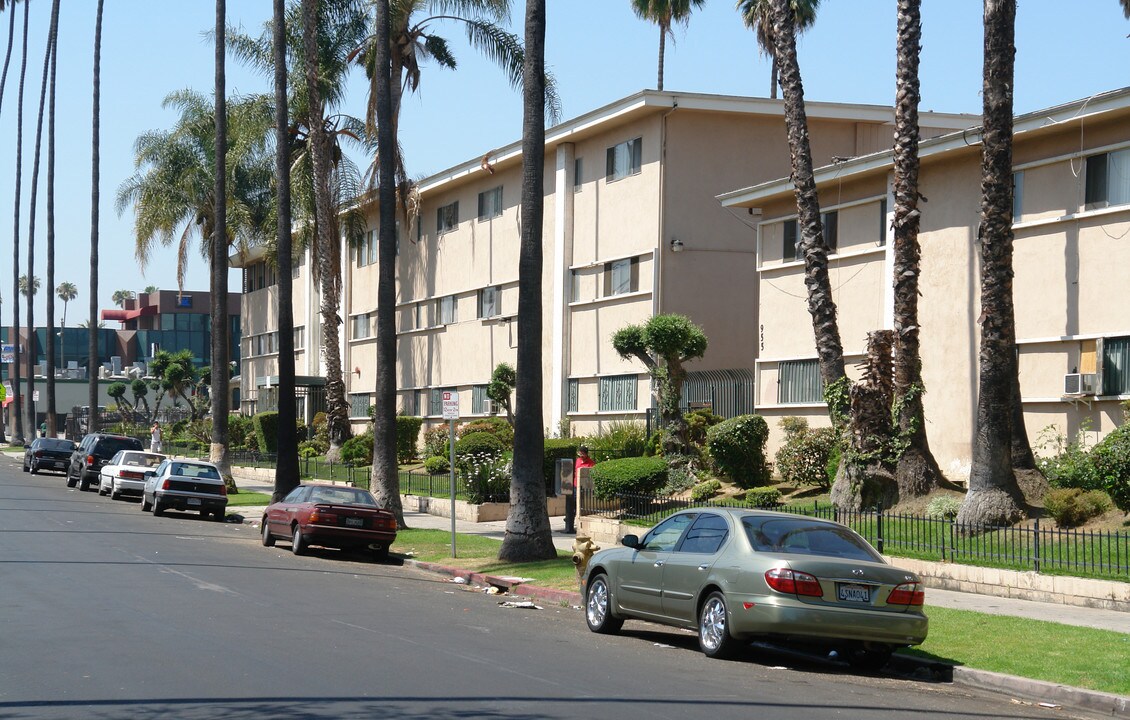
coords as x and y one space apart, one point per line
451 449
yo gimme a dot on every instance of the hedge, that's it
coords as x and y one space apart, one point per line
478 442
407 437
267 431
628 475
738 447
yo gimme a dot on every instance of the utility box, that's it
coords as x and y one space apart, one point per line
563 478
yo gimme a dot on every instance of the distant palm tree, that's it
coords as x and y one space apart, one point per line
120 296
756 15
92 336
66 292
665 13
23 284
218 267
150 289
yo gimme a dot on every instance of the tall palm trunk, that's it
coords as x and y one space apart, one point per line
17 406
663 29
221 331
286 469
3 84
386 483
821 306
917 471
994 497
52 430
329 260
31 354
528 535
92 380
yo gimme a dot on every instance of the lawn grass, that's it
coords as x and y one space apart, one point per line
244 498
1039 650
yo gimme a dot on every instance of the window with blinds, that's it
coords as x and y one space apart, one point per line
618 393
799 382
1116 366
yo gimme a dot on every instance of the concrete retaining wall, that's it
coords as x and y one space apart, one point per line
486 512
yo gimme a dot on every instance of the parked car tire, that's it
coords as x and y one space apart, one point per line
297 542
714 628
871 657
598 607
114 493
268 538
102 492
26 468
157 509
380 555
217 515
146 506
34 468
71 481
83 483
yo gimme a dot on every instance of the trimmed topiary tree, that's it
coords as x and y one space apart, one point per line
407 437
437 465
496 426
477 443
738 448
266 431
358 450
628 475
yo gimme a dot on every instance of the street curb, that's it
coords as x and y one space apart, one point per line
1025 689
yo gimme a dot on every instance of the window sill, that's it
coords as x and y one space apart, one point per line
599 413
791 264
607 299
793 406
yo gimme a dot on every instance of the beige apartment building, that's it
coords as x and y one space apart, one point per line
632 228
1072 233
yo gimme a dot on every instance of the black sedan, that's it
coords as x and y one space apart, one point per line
48 454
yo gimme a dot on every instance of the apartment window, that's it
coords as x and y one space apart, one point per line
799 382
624 159
480 403
447 310
299 337
419 319
490 203
573 396
1116 366
618 393
361 326
296 266
1017 195
367 250
1108 179
490 301
831 222
791 248
409 407
621 276
359 405
447 217
435 404
883 222
578 174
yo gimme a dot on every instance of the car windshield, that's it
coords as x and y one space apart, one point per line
138 459
195 471
342 496
51 444
806 537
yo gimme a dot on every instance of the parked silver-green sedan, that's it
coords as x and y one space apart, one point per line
738 575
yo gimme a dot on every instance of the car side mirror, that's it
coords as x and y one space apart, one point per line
631 541
149 475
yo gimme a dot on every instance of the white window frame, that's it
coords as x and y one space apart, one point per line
490 301
624 159
364 320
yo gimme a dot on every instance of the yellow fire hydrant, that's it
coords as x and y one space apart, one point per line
583 549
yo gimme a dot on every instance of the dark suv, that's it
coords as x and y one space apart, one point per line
93 452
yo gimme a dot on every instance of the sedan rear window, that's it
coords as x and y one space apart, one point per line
195 471
346 496
50 444
806 537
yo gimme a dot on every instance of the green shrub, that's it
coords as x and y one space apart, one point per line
557 449
309 449
622 438
628 475
1111 463
478 442
241 430
437 465
654 445
1066 463
494 425
485 475
943 507
803 458
738 447
407 437
435 441
705 490
1072 507
266 431
358 450
763 497
698 422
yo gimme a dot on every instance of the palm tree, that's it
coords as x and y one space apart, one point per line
218 271
172 192
5 5
528 535
757 16
66 292
916 472
286 467
150 289
18 434
121 296
50 359
23 284
665 13
994 496
93 324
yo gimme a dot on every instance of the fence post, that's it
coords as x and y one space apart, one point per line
1036 545
879 527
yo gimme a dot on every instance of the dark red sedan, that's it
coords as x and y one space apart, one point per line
334 516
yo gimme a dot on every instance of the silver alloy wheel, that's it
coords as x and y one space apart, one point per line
596 609
712 626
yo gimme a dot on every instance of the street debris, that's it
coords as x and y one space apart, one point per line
1053 706
491 590
524 604
665 646
459 580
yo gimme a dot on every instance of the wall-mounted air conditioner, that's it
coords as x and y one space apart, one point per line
488 407
1079 384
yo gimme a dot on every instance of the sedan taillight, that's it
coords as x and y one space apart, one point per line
38 453
907 594
323 516
165 485
224 489
793 582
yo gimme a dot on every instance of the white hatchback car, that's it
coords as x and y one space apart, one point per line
185 485
125 473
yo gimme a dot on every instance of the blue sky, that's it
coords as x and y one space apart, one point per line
597 50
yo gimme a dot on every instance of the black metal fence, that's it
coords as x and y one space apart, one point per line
1035 547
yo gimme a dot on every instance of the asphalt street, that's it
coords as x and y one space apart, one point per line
108 612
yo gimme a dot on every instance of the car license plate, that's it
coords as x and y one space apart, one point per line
354 522
194 501
853 593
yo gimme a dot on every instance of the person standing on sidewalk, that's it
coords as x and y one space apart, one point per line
583 461
155 437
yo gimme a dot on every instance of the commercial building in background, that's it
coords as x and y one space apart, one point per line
163 320
1071 221
632 229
